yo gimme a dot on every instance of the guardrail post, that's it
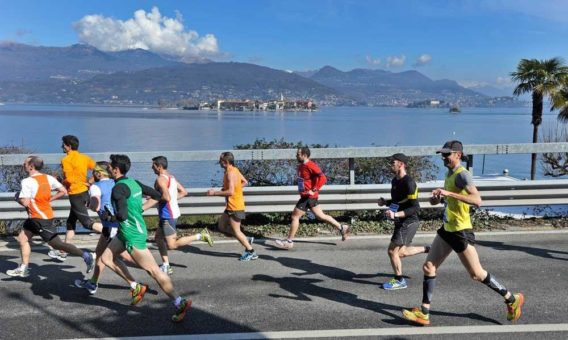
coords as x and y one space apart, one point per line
469 164
352 171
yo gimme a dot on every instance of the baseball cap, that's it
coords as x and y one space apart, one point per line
451 146
400 157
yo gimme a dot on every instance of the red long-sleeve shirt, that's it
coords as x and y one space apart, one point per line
310 177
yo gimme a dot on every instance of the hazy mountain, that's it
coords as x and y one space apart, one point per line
20 62
493 91
380 87
199 82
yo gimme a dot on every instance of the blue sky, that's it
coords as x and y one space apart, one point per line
472 42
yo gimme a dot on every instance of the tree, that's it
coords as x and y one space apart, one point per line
541 78
367 170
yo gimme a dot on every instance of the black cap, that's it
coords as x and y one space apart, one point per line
451 146
400 157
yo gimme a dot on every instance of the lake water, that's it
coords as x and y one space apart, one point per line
124 129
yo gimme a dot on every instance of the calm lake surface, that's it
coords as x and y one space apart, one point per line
123 129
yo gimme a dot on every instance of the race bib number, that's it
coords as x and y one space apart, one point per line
393 207
301 187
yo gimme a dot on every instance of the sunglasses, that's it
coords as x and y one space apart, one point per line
447 154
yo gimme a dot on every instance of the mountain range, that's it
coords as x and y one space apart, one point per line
84 74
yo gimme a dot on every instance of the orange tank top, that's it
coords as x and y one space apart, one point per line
40 204
235 202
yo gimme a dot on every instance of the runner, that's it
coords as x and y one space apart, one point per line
36 197
230 221
132 234
75 167
310 181
168 212
456 234
403 210
100 202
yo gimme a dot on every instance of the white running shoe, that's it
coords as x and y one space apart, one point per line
19 272
283 244
57 255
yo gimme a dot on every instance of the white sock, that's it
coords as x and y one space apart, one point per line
177 301
23 266
290 241
133 284
165 264
199 237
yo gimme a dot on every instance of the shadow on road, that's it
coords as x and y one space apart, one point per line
303 288
540 252
309 267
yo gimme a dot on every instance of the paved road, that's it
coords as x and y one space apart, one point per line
322 288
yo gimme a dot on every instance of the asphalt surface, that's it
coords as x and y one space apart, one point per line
323 286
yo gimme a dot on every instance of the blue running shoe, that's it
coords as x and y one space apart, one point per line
88 285
248 256
394 284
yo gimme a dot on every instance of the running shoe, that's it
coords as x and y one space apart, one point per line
90 261
205 236
284 244
183 307
395 284
19 272
57 255
166 268
514 309
138 293
344 230
88 285
415 315
247 256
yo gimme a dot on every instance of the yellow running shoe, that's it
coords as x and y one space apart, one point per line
415 315
205 236
183 307
138 293
514 309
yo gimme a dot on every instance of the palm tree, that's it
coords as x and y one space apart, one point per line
542 78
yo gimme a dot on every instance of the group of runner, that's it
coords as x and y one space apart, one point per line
119 203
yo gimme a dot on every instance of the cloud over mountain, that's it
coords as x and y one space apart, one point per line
150 31
395 61
422 60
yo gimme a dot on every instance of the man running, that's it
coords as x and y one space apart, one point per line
36 197
230 221
168 212
310 181
403 210
456 234
75 167
100 202
132 234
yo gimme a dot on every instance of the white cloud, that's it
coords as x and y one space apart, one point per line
395 61
504 82
422 60
372 61
146 30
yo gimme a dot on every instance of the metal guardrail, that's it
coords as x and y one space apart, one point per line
336 197
270 154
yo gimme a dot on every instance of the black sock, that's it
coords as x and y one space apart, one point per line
398 277
428 288
425 310
250 251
